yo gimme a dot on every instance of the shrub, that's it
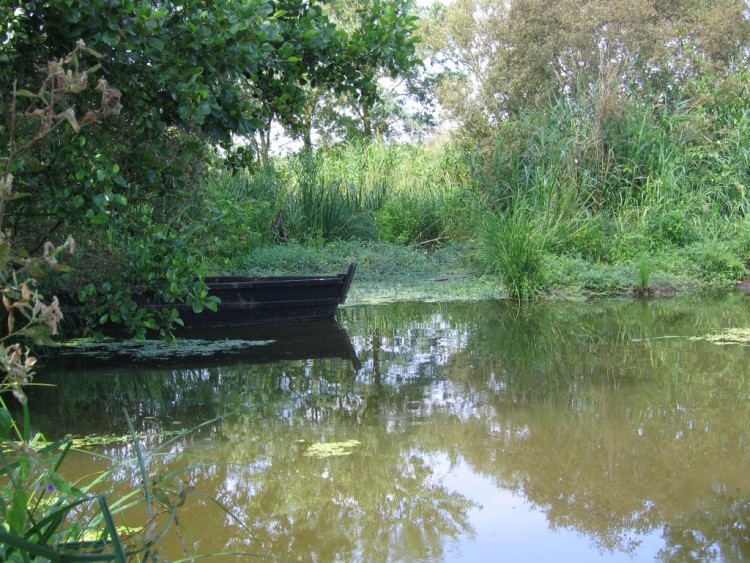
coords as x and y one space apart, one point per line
715 263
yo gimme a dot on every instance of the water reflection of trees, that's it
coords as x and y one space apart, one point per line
607 436
379 503
597 416
716 529
587 411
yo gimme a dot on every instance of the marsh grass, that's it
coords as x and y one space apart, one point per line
322 207
512 247
644 271
401 194
593 175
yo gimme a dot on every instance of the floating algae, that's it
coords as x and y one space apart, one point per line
330 449
728 336
149 351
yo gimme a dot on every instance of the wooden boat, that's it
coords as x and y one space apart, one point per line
249 300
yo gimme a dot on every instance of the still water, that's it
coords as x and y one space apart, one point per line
493 431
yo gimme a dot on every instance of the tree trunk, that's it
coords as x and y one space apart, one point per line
265 141
366 119
307 123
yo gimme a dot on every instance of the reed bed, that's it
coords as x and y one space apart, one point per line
618 182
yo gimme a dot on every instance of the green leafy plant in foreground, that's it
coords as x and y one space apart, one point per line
46 518
35 500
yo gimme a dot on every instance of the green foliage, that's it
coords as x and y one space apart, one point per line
509 57
36 502
714 262
190 75
380 40
609 186
430 198
225 221
512 246
644 271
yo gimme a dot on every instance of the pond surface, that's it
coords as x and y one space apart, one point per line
602 431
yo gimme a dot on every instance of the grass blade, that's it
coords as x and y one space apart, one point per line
141 464
119 550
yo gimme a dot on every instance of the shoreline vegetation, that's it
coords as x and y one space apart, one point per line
649 200
388 273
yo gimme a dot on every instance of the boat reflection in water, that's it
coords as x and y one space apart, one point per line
205 374
263 343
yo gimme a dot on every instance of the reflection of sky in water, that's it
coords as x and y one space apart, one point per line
561 426
508 527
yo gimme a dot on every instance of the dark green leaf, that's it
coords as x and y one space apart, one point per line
6 423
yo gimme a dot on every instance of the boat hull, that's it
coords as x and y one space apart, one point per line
253 300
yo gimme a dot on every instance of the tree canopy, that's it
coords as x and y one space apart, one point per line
190 75
508 56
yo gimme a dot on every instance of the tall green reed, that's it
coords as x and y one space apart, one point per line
512 246
323 207
397 193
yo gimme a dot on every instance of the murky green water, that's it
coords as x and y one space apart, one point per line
489 431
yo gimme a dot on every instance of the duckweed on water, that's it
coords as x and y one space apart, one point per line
728 336
427 290
330 449
156 350
110 439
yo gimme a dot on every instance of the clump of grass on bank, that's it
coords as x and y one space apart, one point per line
512 247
